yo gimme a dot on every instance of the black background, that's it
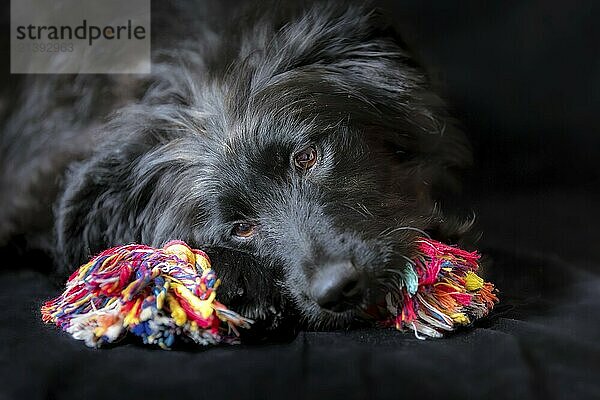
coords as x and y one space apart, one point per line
524 79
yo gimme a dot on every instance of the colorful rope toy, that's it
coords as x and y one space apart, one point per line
157 294
162 294
440 291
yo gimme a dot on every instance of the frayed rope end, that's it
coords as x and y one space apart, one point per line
442 291
156 294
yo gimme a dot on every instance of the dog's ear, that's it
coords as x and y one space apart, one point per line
130 190
93 212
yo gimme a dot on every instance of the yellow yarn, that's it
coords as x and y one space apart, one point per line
460 318
182 252
177 313
203 262
473 282
131 317
204 307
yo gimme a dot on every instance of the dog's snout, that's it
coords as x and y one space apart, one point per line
337 286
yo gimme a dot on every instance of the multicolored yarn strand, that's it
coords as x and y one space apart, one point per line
164 294
440 291
156 294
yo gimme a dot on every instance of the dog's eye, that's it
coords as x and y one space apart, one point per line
243 229
305 158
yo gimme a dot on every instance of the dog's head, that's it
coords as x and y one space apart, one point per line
303 156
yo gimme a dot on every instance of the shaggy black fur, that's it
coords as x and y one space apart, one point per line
208 141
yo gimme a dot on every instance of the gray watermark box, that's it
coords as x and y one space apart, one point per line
80 36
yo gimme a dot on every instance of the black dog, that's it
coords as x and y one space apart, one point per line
303 148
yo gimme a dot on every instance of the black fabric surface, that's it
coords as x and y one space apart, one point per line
523 78
541 342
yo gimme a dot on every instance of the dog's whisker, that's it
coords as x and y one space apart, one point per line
408 260
361 213
405 228
366 210
393 271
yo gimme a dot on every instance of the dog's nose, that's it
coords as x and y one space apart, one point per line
338 286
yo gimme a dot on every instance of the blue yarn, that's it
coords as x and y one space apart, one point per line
411 280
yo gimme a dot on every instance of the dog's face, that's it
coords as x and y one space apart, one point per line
305 168
328 210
